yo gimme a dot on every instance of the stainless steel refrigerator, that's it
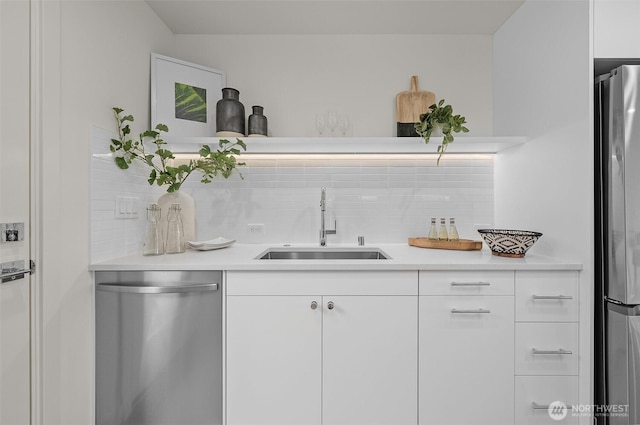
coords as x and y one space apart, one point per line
617 307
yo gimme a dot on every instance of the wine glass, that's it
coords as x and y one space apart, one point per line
320 124
343 124
332 121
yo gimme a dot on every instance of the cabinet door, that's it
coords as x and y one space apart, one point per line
466 360
274 360
370 360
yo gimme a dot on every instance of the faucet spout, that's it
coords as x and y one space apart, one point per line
323 230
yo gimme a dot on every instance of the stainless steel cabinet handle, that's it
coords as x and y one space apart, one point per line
138 289
536 406
471 283
551 297
330 305
558 351
472 311
314 305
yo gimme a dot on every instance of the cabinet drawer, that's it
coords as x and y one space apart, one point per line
348 282
546 348
546 296
534 394
466 283
466 360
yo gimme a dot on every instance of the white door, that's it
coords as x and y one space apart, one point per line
14 208
370 360
466 360
274 374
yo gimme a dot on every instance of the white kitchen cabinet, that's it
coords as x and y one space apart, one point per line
547 344
534 394
347 359
370 357
546 349
547 296
466 360
273 360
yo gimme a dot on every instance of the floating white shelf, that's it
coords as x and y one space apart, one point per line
352 145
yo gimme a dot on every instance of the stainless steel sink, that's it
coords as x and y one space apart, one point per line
323 254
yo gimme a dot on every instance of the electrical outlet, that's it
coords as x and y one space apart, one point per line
256 229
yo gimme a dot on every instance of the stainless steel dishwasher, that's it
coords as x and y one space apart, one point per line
159 348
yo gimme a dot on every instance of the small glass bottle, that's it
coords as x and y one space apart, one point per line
433 232
153 243
443 235
175 232
453 231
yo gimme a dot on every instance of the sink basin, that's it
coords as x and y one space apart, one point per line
323 254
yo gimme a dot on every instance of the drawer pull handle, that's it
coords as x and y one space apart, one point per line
551 297
473 311
314 305
470 283
330 305
559 351
536 406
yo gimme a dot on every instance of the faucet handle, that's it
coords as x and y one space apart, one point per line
360 240
335 228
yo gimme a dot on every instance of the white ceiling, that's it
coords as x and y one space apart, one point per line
334 16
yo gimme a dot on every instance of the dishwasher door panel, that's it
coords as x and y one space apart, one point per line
159 350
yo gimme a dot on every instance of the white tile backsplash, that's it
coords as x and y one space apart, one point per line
385 199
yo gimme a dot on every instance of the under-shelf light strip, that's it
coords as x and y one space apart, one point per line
354 156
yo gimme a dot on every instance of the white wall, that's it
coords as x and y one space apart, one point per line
95 55
542 90
295 77
615 29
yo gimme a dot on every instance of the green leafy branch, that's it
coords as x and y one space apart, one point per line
210 164
440 115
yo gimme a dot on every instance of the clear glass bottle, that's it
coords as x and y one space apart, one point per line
443 235
453 231
433 232
175 232
153 243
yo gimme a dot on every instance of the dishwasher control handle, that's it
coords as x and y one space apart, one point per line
143 289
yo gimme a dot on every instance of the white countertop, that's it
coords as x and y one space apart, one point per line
403 257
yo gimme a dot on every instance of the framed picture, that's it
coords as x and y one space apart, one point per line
184 96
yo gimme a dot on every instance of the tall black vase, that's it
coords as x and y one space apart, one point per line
257 122
230 116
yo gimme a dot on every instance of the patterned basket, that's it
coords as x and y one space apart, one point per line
509 243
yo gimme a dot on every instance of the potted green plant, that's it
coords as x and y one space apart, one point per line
210 164
440 118
165 170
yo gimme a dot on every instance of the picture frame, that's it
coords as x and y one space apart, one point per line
184 96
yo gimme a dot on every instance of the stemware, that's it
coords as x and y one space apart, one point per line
331 121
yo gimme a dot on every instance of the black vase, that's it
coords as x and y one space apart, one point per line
257 122
230 116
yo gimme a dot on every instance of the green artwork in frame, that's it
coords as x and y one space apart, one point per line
190 103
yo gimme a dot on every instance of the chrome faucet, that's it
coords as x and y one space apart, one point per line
323 231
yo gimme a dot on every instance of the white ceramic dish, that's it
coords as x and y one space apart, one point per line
216 243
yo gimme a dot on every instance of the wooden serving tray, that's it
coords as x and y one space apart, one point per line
460 245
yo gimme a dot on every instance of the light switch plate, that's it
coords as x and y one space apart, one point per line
11 232
127 207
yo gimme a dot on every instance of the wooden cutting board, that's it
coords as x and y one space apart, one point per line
460 245
410 105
